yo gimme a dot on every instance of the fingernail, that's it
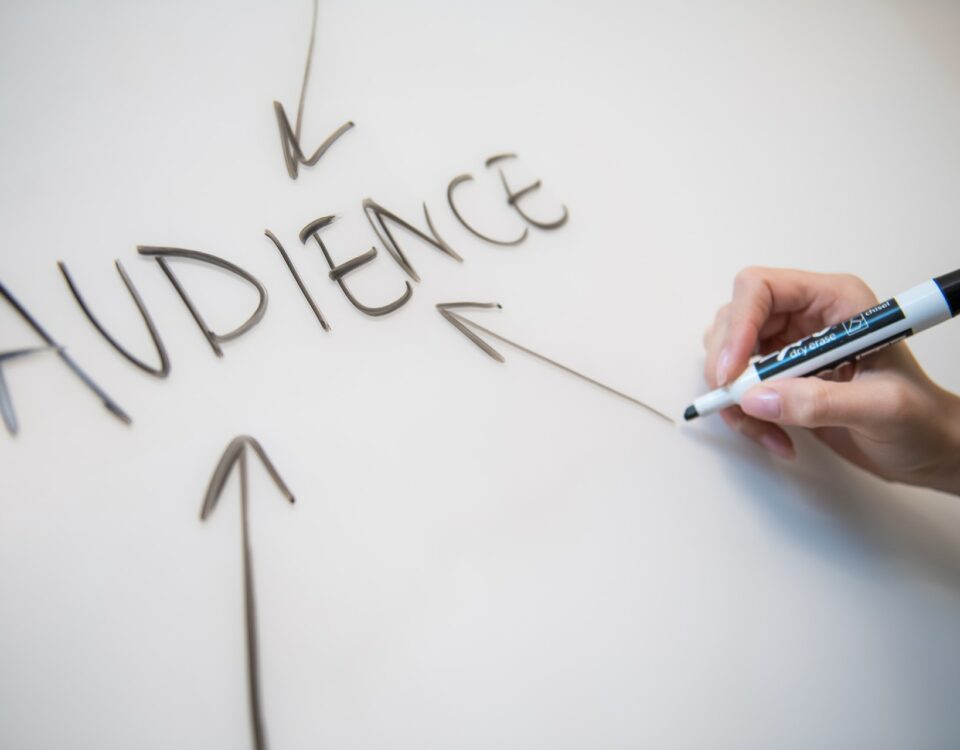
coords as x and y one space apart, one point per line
723 364
777 444
762 403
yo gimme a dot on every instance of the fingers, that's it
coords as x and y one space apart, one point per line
770 436
874 407
750 308
775 326
769 308
764 300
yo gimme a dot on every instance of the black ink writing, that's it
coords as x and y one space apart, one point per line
293 155
456 182
112 406
236 454
378 216
6 400
296 277
338 272
160 254
164 369
463 325
515 196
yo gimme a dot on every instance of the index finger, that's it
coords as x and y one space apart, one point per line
759 293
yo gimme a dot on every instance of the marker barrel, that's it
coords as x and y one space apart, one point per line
916 309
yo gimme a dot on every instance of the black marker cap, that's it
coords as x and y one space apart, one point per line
950 286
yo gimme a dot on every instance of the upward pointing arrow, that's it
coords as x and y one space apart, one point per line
236 452
464 325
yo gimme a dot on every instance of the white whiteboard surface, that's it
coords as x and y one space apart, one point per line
481 555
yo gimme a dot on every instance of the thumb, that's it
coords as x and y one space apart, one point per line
866 405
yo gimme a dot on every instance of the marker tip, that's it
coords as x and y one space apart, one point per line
690 413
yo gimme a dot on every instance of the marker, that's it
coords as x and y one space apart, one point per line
916 309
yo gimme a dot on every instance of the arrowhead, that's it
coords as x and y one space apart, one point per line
230 456
467 328
460 323
236 452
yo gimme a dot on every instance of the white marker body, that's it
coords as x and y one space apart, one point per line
923 306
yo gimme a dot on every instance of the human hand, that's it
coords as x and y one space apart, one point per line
882 412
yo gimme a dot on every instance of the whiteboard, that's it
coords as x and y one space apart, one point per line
480 554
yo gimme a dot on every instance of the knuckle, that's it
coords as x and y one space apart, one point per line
813 405
858 287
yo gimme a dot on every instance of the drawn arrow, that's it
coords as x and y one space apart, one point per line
6 402
464 325
235 453
293 155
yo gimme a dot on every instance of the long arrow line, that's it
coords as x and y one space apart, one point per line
563 367
235 453
293 155
306 72
455 319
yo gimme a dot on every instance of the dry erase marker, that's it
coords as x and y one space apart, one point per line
923 306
